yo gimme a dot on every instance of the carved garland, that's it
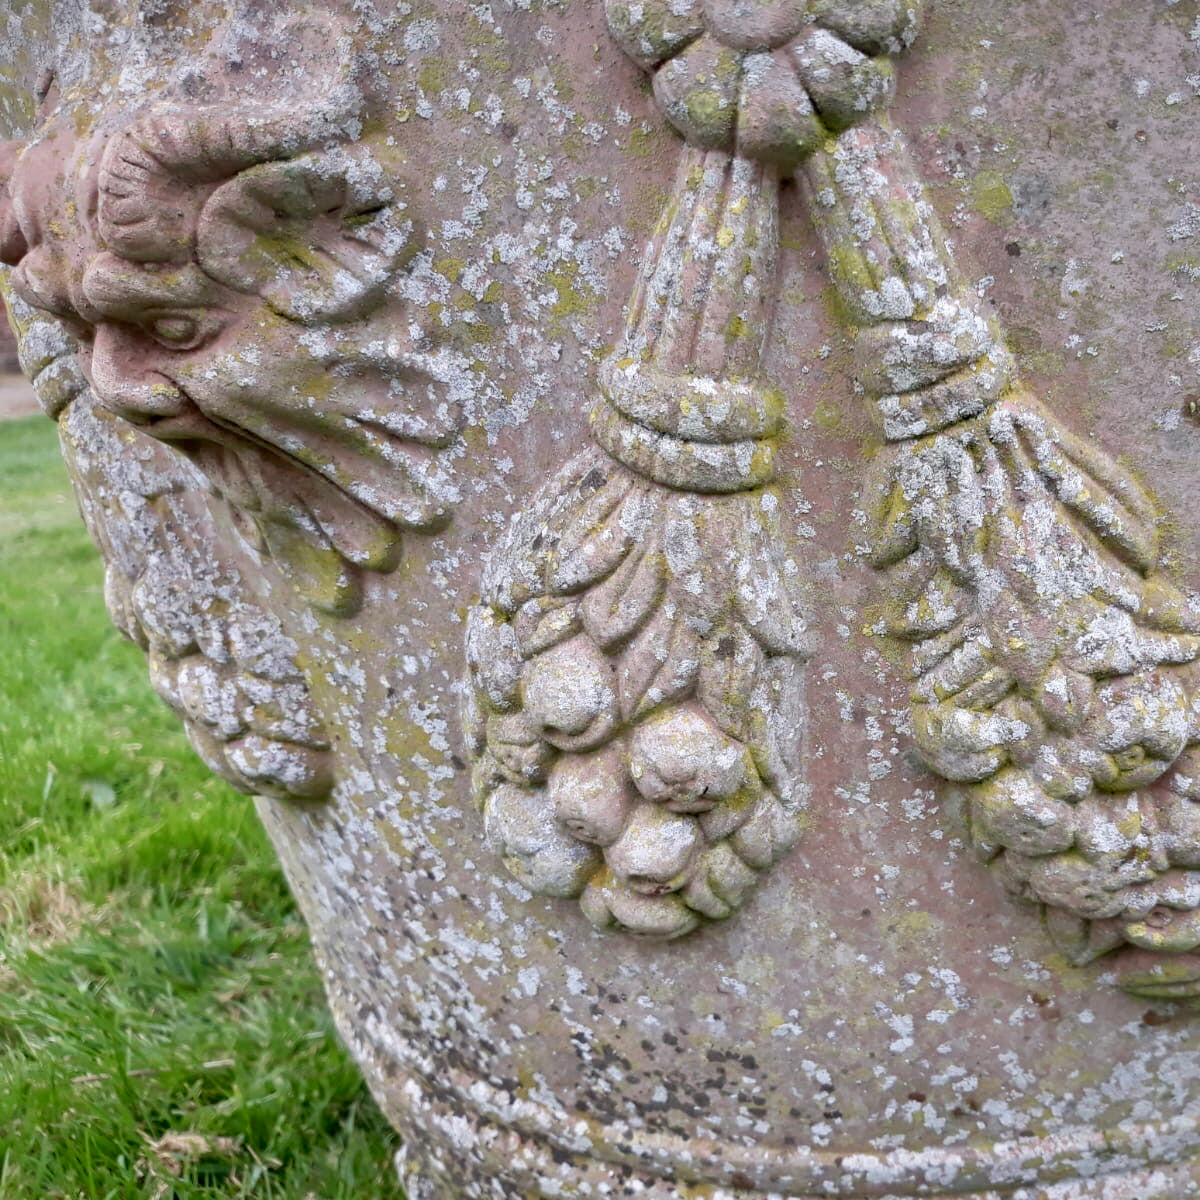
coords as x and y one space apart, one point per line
1055 667
637 659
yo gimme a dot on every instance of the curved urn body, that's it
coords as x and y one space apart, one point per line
681 513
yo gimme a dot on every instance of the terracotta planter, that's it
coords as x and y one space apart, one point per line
682 512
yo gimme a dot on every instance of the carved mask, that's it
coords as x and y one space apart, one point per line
243 297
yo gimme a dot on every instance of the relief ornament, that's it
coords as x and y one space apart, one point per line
637 710
239 285
237 277
638 658
1054 662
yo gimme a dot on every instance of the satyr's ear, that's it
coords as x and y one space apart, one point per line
320 237
12 241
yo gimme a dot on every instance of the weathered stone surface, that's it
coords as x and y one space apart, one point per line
717 471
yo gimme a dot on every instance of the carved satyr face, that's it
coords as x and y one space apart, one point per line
246 301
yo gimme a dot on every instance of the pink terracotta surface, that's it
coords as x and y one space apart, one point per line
330 290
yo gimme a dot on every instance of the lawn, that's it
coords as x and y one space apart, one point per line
162 1027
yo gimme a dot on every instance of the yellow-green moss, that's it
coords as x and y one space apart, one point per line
432 76
991 196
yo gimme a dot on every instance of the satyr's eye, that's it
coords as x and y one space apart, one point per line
174 331
178 333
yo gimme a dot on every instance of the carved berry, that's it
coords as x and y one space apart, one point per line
680 759
568 693
1012 811
655 850
519 824
591 795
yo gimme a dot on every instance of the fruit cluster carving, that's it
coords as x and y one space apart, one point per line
637 712
1054 664
637 657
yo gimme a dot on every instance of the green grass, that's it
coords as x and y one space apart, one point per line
155 978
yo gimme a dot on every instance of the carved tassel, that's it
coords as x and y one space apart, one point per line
1055 668
636 660
636 663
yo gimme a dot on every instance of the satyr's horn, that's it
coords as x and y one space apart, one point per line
157 173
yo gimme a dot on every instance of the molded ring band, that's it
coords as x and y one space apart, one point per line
678 463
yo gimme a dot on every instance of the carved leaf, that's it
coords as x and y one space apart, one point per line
316 570
894 527
592 540
941 482
361 536
494 657
731 667
1113 507
922 600
616 609
545 622
660 664
764 594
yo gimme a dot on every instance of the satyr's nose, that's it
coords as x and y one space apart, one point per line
125 377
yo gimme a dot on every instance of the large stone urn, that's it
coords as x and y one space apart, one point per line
683 513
